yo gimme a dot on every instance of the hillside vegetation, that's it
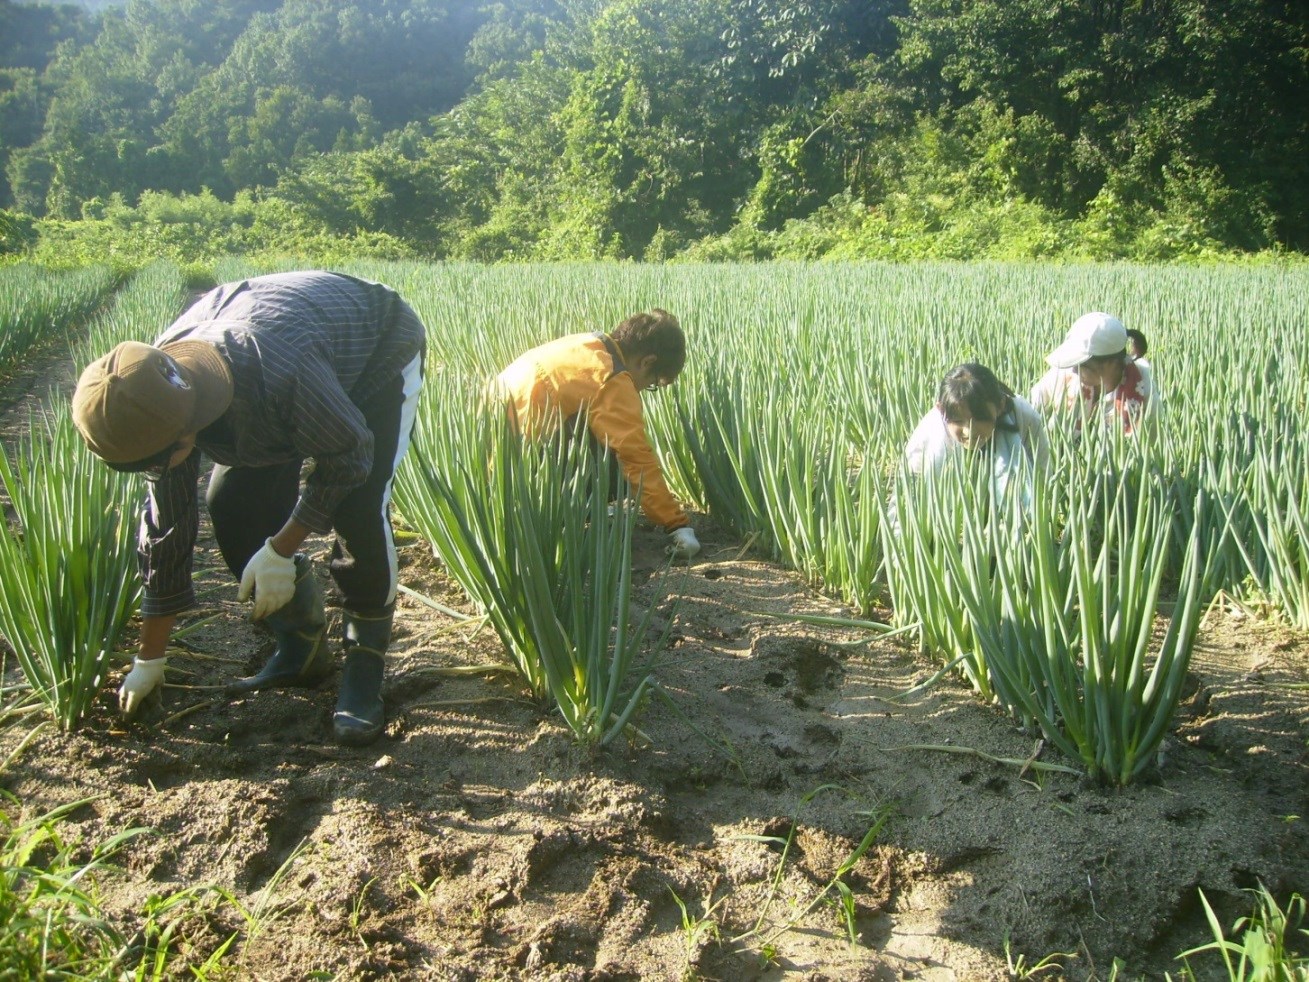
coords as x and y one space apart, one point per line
719 129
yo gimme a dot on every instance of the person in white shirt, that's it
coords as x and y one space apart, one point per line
1091 373
978 414
975 411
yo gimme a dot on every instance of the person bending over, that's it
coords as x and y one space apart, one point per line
975 411
263 375
602 376
1091 374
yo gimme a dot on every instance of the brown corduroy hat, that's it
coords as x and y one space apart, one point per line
137 400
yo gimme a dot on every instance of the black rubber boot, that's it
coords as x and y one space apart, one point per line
302 659
359 712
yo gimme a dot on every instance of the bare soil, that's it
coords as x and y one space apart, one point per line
476 841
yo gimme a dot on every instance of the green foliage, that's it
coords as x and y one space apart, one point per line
22 106
201 228
539 129
377 192
1064 626
905 227
176 95
285 126
30 33
528 533
948 223
1196 215
52 925
17 232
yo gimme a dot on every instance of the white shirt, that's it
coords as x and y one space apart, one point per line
1011 450
931 443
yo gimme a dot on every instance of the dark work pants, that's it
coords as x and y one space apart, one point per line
250 504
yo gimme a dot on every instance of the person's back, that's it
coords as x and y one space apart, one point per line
555 381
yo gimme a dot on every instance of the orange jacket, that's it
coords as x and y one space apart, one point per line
579 372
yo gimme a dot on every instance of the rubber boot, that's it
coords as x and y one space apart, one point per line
302 658
359 712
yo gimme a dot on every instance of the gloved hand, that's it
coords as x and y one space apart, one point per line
142 680
271 577
682 543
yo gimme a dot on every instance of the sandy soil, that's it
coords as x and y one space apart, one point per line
475 841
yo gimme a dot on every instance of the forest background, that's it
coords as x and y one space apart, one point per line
1147 130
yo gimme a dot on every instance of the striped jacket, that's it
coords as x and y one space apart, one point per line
306 350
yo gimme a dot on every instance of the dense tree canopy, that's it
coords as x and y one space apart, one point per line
646 128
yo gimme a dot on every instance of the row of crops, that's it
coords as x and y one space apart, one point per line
37 307
68 556
802 384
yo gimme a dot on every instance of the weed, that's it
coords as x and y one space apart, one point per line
357 912
844 894
1264 943
697 931
51 923
1020 970
267 910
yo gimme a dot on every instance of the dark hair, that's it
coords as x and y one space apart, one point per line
157 459
1137 340
654 332
1099 360
973 390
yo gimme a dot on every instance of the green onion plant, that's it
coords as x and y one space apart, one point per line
39 306
935 542
527 531
1070 626
1281 526
68 576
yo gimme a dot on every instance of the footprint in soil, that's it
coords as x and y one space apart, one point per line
800 661
284 828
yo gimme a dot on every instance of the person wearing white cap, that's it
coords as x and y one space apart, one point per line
1091 373
1137 346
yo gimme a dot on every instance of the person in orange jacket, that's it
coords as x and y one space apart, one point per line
604 375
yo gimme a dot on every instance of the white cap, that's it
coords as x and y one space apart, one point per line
1091 336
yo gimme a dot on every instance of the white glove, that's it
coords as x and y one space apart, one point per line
142 680
682 543
272 578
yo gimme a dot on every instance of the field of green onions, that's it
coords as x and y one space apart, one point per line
1059 625
803 384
